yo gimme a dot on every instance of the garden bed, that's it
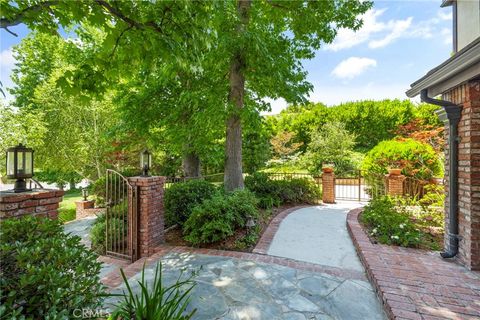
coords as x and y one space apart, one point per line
236 242
387 221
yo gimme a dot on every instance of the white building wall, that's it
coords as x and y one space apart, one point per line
468 22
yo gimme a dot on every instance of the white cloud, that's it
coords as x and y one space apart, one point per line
347 38
378 33
397 29
443 15
447 36
6 59
352 67
7 62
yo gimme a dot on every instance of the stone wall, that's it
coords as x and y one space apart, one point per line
41 203
468 95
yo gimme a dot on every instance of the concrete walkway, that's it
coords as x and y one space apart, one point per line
318 235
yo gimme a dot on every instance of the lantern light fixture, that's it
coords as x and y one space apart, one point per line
85 194
20 166
145 162
250 222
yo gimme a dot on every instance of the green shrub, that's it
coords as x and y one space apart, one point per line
154 301
294 191
416 159
98 233
180 198
218 218
44 273
98 190
276 192
389 225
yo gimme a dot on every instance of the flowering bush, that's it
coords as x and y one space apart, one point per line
389 225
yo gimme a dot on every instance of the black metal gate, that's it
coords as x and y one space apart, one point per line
352 185
121 217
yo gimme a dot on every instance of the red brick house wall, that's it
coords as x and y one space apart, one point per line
468 95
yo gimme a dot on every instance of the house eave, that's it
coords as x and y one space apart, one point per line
463 65
446 3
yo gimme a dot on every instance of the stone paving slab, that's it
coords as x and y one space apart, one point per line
231 288
416 284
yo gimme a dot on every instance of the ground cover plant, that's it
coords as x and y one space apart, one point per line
404 222
44 273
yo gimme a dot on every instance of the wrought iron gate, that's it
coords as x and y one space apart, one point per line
121 218
351 185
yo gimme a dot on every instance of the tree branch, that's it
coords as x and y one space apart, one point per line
20 16
118 40
117 13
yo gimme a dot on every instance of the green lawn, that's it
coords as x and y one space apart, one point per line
66 212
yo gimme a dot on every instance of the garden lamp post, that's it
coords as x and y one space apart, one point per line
145 162
20 166
250 223
85 194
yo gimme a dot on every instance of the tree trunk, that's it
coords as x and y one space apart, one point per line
72 184
191 164
233 146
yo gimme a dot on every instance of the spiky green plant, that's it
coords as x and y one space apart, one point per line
159 303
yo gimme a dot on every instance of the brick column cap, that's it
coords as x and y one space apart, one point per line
8 196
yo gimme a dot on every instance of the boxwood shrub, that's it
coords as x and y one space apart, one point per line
273 193
217 218
44 273
180 198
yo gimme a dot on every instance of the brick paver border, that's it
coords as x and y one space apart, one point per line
416 284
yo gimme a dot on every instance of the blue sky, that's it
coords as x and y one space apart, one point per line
398 43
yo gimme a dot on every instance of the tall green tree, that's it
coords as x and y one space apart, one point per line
258 45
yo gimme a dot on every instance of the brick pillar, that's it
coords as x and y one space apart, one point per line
467 95
40 203
83 208
150 213
328 185
395 182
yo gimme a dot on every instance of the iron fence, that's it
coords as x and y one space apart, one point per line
352 185
216 178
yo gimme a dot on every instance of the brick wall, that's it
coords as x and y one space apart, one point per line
394 185
468 95
86 209
151 218
328 186
42 203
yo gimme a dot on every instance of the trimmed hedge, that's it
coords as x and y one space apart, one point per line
273 193
181 198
